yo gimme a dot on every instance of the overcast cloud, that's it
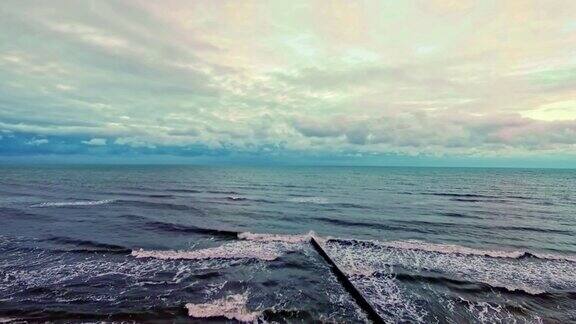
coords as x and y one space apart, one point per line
438 78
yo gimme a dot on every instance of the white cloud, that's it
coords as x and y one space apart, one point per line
95 142
39 141
64 87
134 142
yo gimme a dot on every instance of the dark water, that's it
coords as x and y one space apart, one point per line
171 244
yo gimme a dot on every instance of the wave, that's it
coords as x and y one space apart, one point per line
350 205
267 251
325 201
134 217
178 228
236 198
309 200
427 226
472 200
89 246
532 229
458 195
21 214
471 286
158 205
459 215
408 245
160 196
511 270
74 203
520 197
262 237
184 190
457 249
380 226
232 307
138 194
267 247
223 192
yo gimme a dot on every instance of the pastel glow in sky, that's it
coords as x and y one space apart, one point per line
281 80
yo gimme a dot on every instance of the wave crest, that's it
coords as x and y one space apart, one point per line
73 203
309 200
263 237
462 250
267 251
508 270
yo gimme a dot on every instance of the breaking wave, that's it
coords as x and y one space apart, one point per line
88 246
263 237
232 307
236 198
457 249
309 200
513 271
73 203
178 228
267 251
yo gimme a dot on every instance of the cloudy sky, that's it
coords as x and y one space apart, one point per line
371 82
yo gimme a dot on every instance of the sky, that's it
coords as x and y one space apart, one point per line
432 82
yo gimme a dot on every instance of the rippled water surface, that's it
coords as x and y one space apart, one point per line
165 243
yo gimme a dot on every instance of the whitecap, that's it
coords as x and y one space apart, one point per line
506 270
232 307
74 203
266 251
309 200
263 237
462 250
236 198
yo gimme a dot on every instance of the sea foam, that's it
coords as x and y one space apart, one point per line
309 200
263 237
266 251
501 269
73 203
462 250
232 307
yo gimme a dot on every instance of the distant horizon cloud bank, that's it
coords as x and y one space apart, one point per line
416 82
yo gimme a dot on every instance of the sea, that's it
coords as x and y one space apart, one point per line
81 243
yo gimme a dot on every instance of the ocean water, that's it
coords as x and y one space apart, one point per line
190 243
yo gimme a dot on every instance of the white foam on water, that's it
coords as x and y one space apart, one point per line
448 248
486 312
42 269
456 249
234 197
263 237
392 302
232 307
309 200
534 276
370 268
267 251
74 203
